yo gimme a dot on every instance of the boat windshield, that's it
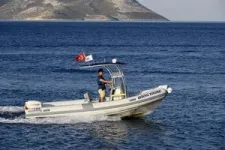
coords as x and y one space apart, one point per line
118 90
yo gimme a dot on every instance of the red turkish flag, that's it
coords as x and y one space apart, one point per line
80 57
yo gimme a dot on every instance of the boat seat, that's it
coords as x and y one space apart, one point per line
87 97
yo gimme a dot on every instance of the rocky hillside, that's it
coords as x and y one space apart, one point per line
76 10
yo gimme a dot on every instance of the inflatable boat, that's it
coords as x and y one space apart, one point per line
118 103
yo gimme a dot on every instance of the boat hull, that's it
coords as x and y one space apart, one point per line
142 104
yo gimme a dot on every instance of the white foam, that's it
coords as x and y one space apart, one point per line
60 120
57 120
11 109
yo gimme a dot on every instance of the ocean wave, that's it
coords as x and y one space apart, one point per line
59 120
62 70
180 73
113 45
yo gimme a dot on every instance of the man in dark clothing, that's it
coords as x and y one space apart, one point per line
101 85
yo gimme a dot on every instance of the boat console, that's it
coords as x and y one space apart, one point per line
118 87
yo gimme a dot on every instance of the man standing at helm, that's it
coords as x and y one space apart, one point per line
101 85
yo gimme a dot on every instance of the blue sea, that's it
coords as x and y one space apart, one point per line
37 63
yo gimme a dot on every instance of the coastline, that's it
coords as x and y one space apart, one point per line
107 21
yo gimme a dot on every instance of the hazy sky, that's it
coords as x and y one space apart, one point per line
188 10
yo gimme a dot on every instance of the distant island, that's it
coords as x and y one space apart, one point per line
86 10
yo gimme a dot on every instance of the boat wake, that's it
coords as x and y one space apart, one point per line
15 114
11 111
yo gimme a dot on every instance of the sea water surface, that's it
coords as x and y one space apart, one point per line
37 63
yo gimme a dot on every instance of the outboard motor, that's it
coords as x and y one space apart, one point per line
32 106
